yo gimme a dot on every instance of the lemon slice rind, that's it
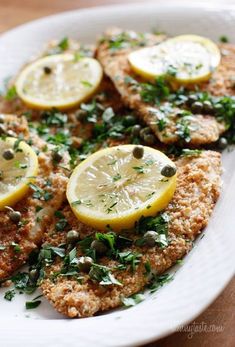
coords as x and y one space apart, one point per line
201 55
100 218
14 192
69 83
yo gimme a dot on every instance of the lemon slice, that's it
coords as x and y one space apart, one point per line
58 81
186 58
113 188
18 166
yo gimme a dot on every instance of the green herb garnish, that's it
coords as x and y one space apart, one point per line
102 274
29 305
64 44
133 300
9 295
11 93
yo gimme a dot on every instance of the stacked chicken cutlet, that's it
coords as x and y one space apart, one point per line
81 265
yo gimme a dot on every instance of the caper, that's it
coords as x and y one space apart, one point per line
2 129
197 107
84 263
168 171
149 139
144 131
33 275
218 107
15 216
129 120
138 152
72 236
150 238
135 131
207 107
1 175
2 118
222 143
8 154
47 70
81 115
99 247
191 99
57 156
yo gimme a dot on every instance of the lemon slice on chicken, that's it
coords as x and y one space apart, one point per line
58 81
18 166
185 58
113 188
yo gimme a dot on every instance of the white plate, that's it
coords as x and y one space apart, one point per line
209 266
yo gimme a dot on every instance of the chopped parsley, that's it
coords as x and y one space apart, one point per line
130 258
117 177
109 239
54 118
29 305
171 71
125 40
159 224
102 274
154 93
9 295
161 123
39 193
11 93
64 44
139 169
158 281
186 152
61 223
133 300
16 247
183 130
22 283
86 84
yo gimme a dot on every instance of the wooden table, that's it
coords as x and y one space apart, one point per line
222 312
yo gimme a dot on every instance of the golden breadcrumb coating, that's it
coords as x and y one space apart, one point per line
36 213
189 211
204 129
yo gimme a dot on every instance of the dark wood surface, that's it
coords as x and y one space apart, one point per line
221 313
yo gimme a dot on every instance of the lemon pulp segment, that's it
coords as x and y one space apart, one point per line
58 81
112 188
16 173
185 58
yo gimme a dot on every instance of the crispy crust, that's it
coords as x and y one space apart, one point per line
203 129
15 126
198 188
222 81
29 235
197 191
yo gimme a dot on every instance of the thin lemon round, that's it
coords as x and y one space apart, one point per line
113 188
58 81
16 173
185 58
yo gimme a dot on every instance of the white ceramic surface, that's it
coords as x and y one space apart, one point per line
208 267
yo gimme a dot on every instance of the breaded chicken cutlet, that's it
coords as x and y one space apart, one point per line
12 104
81 287
187 214
168 120
45 196
52 179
